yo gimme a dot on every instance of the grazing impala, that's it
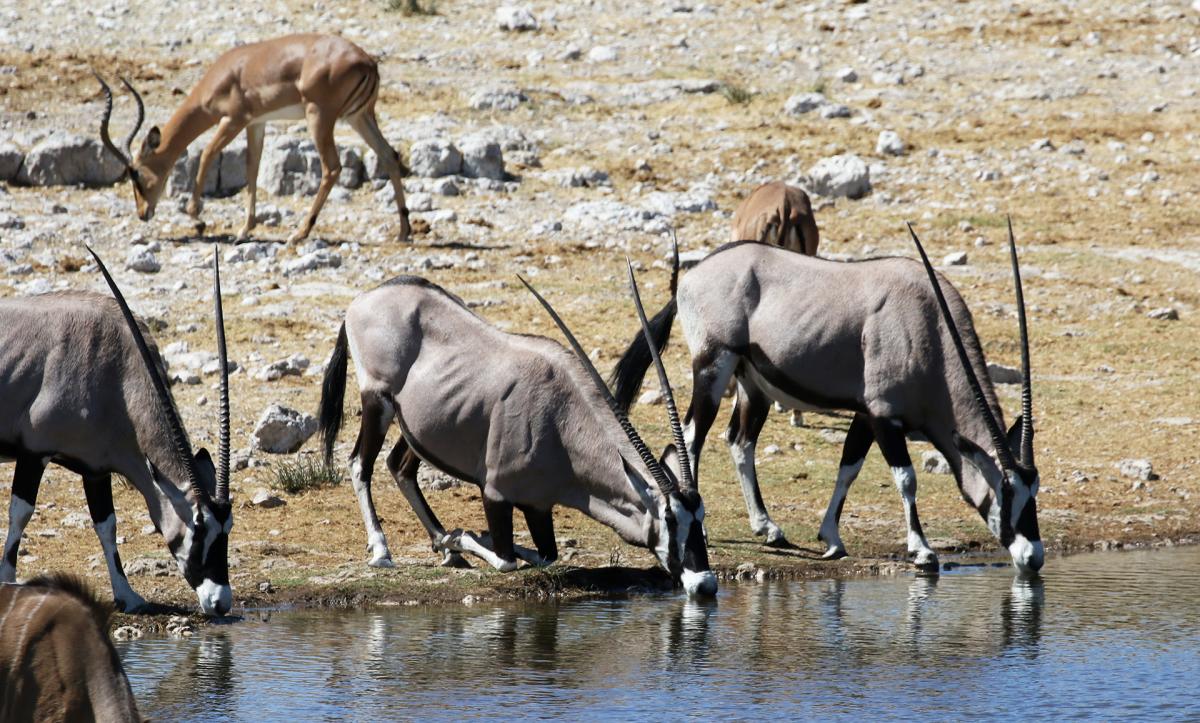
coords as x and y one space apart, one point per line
316 78
870 337
518 415
777 214
56 661
81 387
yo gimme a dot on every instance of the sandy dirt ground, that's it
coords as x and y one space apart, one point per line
1078 120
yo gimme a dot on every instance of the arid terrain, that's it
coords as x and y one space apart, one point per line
627 120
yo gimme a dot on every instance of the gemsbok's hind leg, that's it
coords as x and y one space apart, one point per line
402 462
98 490
26 481
749 415
858 442
892 443
377 414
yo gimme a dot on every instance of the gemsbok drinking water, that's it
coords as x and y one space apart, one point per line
874 337
517 415
81 387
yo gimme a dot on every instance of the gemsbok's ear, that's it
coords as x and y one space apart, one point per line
1014 434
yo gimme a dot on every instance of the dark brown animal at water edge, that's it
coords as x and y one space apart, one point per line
56 661
81 387
319 79
777 214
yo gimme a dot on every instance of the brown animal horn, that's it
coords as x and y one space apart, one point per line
104 137
685 466
178 436
141 116
1026 379
660 477
998 439
222 491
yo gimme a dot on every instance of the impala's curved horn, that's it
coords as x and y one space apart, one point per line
222 491
1026 378
178 436
665 484
997 434
141 116
105 139
685 465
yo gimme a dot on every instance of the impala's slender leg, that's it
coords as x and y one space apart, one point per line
858 442
320 126
403 464
749 415
710 376
227 130
891 440
541 529
377 414
98 489
366 126
255 132
26 481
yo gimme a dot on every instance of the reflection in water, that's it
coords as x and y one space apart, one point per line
924 647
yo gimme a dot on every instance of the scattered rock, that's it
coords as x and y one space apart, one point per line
311 262
1166 313
434 158
11 158
264 499
603 54
1001 374
179 626
290 166
844 176
584 177
142 260
281 430
444 187
497 98
127 632
516 19
11 221
293 366
77 520
667 203
835 110
651 396
847 75
65 159
482 158
955 258
226 175
803 103
771 450
435 480
1136 469
150 567
606 216
933 462
890 144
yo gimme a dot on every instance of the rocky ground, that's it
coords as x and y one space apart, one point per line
551 140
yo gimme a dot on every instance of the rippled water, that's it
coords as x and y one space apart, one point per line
1110 636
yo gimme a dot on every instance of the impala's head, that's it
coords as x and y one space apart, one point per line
201 545
674 512
1011 507
148 170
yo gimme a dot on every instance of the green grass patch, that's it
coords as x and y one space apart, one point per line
305 473
736 94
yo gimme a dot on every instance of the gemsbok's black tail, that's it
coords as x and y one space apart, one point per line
333 394
627 375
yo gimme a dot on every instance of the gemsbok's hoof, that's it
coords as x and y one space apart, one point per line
381 561
455 560
926 561
835 552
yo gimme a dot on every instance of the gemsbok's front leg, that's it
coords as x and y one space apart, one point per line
255 133
890 436
98 490
541 529
858 442
26 481
320 126
403 465
749 415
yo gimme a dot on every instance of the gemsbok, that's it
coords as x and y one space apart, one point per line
81 387
864 336
516 415
315 78
56 661
777 214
